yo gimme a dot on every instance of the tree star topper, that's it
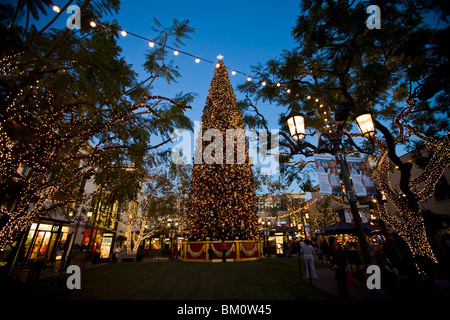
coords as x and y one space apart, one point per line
220 57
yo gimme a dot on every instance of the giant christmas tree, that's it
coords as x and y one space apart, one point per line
222 203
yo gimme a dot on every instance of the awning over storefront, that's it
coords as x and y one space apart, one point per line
281 228
349 228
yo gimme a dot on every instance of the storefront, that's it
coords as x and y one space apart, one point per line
48 239
278 235
279 240
345 235
98 242
105 247
158 243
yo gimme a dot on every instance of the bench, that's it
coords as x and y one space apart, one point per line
125 257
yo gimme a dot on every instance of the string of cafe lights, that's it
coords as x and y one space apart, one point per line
152 43
176 51
321 111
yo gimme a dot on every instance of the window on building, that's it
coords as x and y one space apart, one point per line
23 169
261 206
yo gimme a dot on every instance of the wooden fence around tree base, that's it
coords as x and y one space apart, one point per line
210 251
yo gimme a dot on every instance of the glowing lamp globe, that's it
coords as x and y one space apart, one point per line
365 124
296 123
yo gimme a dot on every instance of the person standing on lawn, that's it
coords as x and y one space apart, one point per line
308 252
224 250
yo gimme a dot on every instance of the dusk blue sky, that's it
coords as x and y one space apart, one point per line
244 32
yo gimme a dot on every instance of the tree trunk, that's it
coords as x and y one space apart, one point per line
415 235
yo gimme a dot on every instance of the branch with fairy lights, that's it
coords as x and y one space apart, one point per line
81 114
409 223
300 78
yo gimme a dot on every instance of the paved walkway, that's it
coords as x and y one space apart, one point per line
326 281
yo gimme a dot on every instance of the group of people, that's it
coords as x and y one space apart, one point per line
334 254
307 250
291 248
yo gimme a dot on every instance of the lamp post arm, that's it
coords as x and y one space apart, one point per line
353 143
297 148
332 139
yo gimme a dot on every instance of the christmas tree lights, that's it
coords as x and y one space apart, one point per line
223 202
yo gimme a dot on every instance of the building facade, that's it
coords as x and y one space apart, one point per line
279 222
57 235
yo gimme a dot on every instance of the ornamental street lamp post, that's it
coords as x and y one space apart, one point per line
296 123
79 219
266 229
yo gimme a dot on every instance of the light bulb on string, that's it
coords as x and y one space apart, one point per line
197 59
93 24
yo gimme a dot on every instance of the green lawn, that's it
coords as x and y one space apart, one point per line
270 279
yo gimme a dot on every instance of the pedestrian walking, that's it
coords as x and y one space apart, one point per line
308 252
224 250
210 251
338 261
285 249
116 253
